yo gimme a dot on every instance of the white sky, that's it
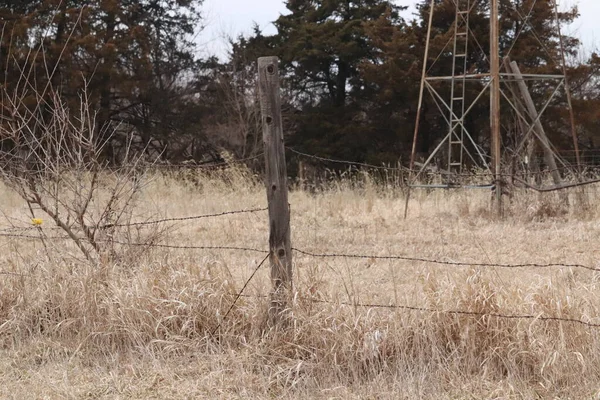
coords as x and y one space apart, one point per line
231 17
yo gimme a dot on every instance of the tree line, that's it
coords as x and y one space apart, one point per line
350 69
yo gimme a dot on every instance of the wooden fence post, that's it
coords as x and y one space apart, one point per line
276 183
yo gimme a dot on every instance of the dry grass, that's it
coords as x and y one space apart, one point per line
138 325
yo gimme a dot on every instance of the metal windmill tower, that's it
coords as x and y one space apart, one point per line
459 144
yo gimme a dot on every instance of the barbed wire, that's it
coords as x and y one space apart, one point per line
357 256
559 187
462 312
440 262
135 244
36 237
18 229
179 219
13 274
332 160
183 247
31 228
192 165
440 171
479 174
319 255
152 222
538 317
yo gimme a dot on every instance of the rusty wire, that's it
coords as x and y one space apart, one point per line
440 262
538 317
460 175
141 223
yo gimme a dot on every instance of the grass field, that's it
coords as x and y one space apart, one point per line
137 324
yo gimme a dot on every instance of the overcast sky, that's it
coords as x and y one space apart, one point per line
232 17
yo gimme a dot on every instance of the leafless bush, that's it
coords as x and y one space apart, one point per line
52 157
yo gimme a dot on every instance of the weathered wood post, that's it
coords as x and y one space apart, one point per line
276 183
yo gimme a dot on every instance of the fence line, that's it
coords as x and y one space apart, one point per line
194 217
559 187
440 172
134 244
361 164
462 312
538 317
193 165
184 247
142 223
24 229
36 237
440 262
320 255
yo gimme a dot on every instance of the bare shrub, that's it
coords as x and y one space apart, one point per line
53 158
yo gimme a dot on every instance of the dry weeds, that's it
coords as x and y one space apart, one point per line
138 326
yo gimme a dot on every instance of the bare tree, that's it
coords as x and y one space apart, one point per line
52 157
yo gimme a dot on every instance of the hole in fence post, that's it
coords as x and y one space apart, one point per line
271 69
274 187
281 253
269 120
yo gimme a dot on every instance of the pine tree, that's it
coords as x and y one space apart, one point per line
325 48
130 56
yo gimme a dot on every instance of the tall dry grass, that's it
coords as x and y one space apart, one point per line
139 325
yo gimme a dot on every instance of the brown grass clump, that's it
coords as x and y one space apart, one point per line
139 325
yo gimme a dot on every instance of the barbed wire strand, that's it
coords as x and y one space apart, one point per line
13 274
559 187
152 222
134 244
461 312
192 165
184 247
325 255
356 304
437 311
322 255
331 160
440 172
440 262
13 235
179 219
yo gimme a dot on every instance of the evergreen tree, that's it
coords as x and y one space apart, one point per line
324 47
131 56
